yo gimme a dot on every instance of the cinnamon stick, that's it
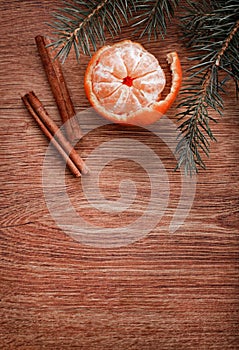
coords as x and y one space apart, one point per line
53 133
59 88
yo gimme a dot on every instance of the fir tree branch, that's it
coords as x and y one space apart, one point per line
82 24
152 16
227 42
211 30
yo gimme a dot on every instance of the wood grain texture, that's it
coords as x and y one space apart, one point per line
165 291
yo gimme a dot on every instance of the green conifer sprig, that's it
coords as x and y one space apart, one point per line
210 30
83 24
151 17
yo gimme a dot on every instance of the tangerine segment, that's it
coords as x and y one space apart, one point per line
123 83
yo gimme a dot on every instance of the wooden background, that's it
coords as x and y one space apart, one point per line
166 291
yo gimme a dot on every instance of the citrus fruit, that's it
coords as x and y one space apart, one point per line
123 82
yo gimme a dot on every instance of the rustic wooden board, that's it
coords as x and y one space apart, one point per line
165 291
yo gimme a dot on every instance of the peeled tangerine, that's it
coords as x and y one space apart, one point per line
124 82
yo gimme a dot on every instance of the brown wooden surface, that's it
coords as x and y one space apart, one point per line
165 291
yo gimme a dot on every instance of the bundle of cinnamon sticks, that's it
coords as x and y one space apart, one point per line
66 109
